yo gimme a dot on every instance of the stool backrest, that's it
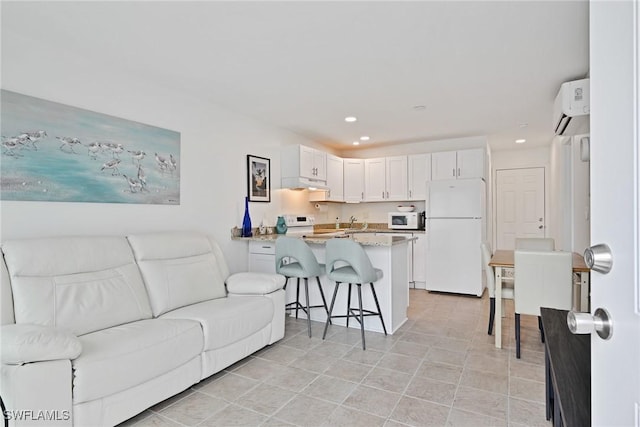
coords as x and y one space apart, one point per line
346 251
297 249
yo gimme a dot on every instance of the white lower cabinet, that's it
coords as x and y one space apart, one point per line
419 261
262 257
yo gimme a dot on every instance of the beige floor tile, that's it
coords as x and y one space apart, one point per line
365 357
282 354
306 411
329 388
348 371
453 344
372 401
439 355
415 412
156 420
275 422
332 349
419 338
488 363
141 416
527 390
386 379
234 416
432 390
481 402
348 417
410 349
459 418
527 371
293 379
265 399
440 372
229 387
495 383
194 410
314 362
399 362
527 413
302 342
260 369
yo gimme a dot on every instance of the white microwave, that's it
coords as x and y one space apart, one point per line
406 220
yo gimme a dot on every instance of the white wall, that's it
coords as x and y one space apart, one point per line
214 145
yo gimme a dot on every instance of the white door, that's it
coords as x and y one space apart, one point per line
519 205
615 199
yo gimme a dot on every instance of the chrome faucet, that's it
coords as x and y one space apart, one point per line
351 221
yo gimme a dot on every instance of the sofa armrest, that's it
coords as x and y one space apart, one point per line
254 283
26 343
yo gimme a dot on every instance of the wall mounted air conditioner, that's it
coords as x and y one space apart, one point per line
571 108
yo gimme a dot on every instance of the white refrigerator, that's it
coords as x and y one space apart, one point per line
455 228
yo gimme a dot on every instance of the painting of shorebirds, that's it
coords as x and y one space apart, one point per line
55 152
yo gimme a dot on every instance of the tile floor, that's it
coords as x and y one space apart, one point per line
439 369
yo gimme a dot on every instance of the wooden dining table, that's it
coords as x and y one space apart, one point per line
503 260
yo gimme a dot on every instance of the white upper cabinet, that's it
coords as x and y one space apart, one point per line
457 164
385 179
419 172
374 179
313 163
396 178
298 161
353 180
335 182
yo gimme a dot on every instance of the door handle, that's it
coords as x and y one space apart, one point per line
599 258
584 323
540 227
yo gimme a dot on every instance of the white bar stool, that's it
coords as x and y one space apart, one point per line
347 262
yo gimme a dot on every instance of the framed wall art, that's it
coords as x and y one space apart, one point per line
59 153
258 179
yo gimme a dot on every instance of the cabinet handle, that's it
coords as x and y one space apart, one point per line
458 171
387 194
383 194
454 171
410 195
362 195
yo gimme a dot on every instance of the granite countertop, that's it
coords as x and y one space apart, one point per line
365 239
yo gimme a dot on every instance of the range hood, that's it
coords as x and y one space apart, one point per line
300 183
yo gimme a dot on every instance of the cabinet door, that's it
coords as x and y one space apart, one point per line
443 165
396 178
335 178
419 260
374 179
320 165
419 172
307 159
470 163
353 180
262 263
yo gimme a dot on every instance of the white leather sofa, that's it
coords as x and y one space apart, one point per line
97 329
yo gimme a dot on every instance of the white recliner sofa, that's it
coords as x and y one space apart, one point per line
97 329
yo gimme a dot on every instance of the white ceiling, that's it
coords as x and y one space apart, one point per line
478 68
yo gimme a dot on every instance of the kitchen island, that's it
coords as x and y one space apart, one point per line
388 253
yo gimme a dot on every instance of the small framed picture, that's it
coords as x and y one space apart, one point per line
258 179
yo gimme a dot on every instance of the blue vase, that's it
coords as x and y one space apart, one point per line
246 222
281 226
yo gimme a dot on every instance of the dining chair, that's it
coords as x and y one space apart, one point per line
294 258
347 262
542 279
535 243
507 285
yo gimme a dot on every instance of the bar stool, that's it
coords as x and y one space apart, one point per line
304 266
347 262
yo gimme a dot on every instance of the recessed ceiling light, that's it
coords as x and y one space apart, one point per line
356 142
419 107
350 119
364 138
520 141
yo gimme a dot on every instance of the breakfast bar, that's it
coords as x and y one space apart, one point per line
387 253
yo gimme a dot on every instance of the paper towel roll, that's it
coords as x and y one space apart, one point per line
322 208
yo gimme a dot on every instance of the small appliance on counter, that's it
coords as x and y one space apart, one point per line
406 220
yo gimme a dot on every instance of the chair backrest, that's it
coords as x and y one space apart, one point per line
347 251
486 257
542 279
535 243
297 249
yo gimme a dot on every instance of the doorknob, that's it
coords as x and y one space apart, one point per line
599 258
584 323
540 227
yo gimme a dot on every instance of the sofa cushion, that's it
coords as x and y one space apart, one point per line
226 321
124 356
82 284
179 269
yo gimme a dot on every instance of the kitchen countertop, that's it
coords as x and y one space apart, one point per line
365 239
